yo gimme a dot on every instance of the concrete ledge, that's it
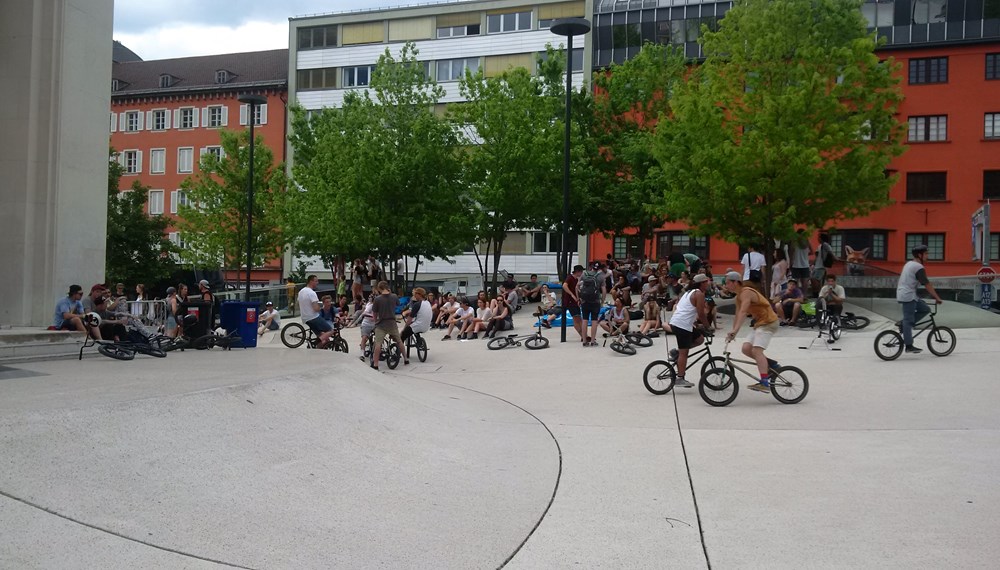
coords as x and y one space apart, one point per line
22 344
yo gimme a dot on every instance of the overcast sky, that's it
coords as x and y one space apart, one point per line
161 29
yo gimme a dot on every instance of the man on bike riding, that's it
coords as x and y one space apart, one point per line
309 306
690 312
914 308
749 300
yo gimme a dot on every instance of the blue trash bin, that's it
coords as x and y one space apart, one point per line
241 317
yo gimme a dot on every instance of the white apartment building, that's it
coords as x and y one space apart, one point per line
331 53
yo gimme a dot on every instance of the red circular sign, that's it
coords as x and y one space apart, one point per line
986 275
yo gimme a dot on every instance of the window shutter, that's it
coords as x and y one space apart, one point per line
138 160
140 113
177 118
263 114
149 120
120 158
243 113
122 120
194 117
204 116
173 201
166 119
225 116
114 121
201 152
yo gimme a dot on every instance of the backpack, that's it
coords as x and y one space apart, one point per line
827 256
590 287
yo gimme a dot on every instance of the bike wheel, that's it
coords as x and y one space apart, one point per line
888 345
293 335
340 345
718 387
498 343
204 342
116 352
834 330
659 377
623 348
149 350
640 340
716 362
941 341
392 356
789 385
173 344
536 342
855 322
422 350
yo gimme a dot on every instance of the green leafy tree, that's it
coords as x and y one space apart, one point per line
629 100
790 121
213 222
379 175
137 250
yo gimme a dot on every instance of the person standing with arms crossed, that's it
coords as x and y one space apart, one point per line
914 308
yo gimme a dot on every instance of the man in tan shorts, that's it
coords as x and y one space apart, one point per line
384 306
749 300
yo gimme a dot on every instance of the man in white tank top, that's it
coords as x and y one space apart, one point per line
690 311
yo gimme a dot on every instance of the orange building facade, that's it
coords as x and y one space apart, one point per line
165 114
950 78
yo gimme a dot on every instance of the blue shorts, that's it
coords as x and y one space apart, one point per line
319 325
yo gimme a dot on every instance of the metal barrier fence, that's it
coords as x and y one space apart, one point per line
152 314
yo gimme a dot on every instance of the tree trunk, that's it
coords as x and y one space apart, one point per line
498 245
416 269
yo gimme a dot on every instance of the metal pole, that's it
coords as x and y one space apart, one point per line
565 213
250 119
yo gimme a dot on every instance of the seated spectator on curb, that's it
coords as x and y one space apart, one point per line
512 298
483 315
616 320
831 296
531 291
460 318
69 312
649 290
270 320
650 317
112 327
327 311
509 283
445 311
789 303
418 319
502 319
548 307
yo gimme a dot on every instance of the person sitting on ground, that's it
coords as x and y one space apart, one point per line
460 318
69 312
616 320
548 307
650 317
484 313
418 318
831 297
789 303
512 297
509 283
531 291
445 311
649 290
309 307
112 326
270 319
501 320
620 287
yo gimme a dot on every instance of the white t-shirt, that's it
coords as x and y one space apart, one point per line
422 320
447 307
486 314
461 313
752 261
266 314
306 299
368 314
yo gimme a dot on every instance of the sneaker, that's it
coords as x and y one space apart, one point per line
446 337
682 383
673 355
910 349
474 336
760 387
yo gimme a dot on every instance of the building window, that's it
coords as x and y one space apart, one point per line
454 69
627 247
360 76
545 24
155 202
926 129
259 114
991 128
216 151
185 159
513 22
318 37
929 11
669 32
178 198
577 58
873 240
993 66
166 81
158 120
324 78
458 31
176 239
549 242
185 118
991 185
929 70
994 246
157 160
926 186
132 161
115 85
669 242
934 243
878 15
215 116
133 121
222 76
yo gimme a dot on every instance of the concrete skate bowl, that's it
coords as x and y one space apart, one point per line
339 469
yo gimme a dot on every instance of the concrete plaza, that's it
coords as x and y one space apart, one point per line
558 458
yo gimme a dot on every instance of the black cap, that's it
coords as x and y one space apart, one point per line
918 249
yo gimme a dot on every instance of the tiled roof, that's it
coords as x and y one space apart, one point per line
120 53
199 73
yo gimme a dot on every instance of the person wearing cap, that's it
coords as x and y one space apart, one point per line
99 302
914 308
690 318
571 302
206 292
270 319
69 311
749 300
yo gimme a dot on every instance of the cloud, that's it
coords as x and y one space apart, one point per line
184 40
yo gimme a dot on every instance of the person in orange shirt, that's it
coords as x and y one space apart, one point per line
749 300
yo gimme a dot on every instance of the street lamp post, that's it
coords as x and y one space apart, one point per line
253 101
568 27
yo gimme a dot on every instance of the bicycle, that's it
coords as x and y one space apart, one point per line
848 321
660 375
829 326
294 335
415 341
390 352
719 386
136 340
533 341
941 340
621 341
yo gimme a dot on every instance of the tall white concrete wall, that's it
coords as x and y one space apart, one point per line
55 96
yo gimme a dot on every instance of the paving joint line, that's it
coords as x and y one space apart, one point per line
694 496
